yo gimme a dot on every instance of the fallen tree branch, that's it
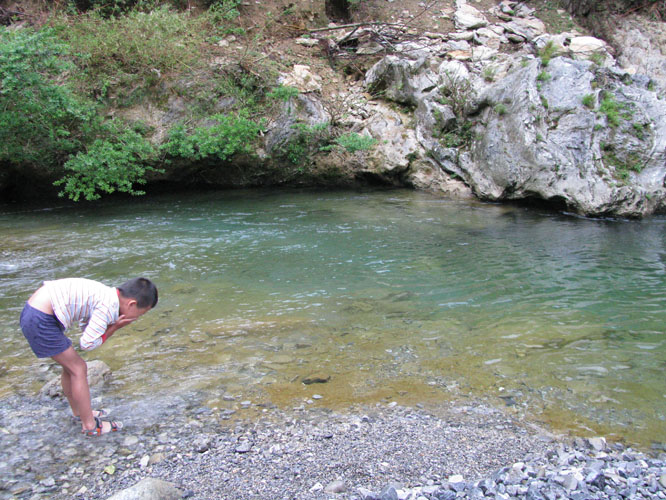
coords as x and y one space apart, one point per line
356 25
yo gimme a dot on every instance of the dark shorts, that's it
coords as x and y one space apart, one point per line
44 332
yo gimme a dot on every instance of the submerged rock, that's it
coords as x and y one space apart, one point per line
98 373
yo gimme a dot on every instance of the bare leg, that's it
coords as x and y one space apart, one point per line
74 381
75 385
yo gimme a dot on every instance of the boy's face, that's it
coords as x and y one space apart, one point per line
130 309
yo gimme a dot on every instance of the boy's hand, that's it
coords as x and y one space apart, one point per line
122 321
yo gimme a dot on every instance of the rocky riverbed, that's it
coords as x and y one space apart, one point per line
462 450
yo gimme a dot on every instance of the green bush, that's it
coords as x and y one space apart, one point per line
107 166
41 121
229 135
307 140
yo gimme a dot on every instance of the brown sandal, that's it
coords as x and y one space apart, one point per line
99 426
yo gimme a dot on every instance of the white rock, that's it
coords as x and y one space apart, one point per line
586 45
469 18
307 42
303 79
149 489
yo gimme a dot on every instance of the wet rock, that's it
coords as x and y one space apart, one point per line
316 378
149 489
98 373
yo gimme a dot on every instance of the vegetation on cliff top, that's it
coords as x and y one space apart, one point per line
67 79
71 71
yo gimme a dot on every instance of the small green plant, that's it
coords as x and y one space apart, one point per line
598 58
611 108
544 102
489 74
283 93
589 101
544 76
547 52
639 130
500 109
622 167
461 136
352 142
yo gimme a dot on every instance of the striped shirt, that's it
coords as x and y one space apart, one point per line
94 305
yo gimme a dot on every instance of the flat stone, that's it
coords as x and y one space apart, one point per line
586 45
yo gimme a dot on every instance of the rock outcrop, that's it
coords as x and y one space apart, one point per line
556 121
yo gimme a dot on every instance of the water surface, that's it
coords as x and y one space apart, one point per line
395 295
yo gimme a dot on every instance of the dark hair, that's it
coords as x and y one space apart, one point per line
140 289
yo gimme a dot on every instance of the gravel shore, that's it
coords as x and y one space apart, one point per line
385 452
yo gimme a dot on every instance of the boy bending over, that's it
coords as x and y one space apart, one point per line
101 310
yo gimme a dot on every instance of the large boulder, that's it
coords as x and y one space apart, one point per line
538 140
580 137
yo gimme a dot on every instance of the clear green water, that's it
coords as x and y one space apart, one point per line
394 295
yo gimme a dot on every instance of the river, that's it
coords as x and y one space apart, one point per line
395 295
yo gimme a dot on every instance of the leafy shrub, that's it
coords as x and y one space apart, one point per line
229 135
456 92
107 166
41 121
306 140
